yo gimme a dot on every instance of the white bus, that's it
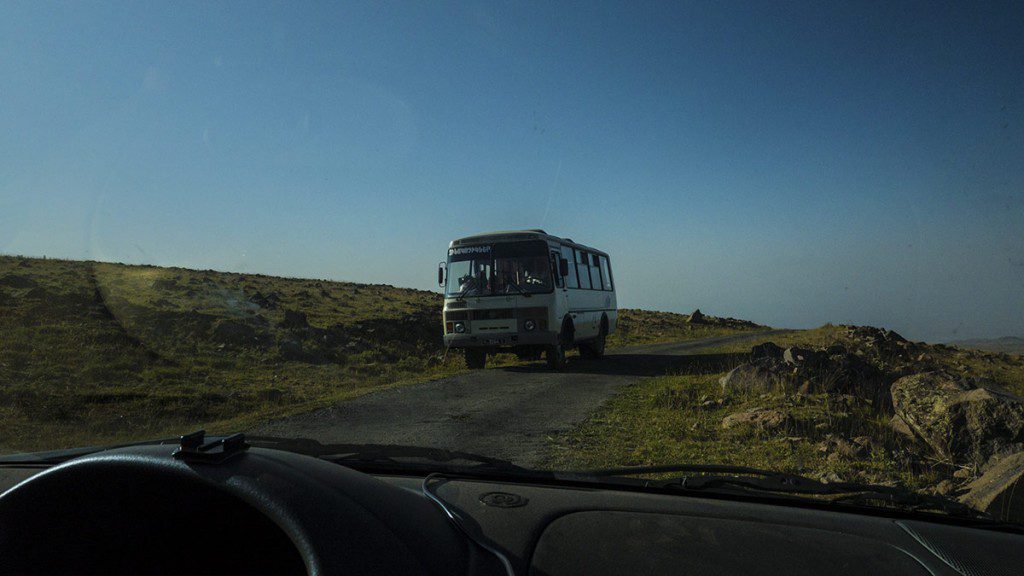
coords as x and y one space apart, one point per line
527 292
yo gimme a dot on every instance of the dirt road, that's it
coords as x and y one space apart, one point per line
500 412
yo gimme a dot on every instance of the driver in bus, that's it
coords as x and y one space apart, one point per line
530 276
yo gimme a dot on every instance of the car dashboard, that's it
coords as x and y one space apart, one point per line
143 510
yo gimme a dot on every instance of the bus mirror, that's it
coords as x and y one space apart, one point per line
563 266
440 274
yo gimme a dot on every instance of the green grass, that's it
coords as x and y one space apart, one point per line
94 353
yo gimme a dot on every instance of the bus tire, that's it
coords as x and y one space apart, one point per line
555 356
476 358
595 348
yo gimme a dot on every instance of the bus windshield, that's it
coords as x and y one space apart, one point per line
499 269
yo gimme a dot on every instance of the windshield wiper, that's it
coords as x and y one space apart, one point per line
54 457
520 289
753 480
462 293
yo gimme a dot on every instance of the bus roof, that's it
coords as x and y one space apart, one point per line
518 236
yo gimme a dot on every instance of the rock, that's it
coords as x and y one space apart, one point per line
290 350
234 332
37 293
164 284
262 301
830 478
943 488
837 447
761 418
962 419
766 350
962 473
295 320
751 376
16 281
696 317
835 349
800 356
896 424
1000 491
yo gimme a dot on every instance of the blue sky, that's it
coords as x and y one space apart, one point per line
790 163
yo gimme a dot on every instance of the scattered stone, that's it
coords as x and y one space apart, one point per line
290 350
1000 491
164 284
799 356
16 281
761 418
766 350
943 488
262 301
830 478
233 332
294 320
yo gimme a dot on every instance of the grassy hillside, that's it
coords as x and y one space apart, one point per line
95 352
688 417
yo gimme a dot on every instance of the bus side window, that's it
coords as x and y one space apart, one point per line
583 269
570 279
554 269
606 274
595 272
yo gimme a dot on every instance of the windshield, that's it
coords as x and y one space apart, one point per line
782 236
499 269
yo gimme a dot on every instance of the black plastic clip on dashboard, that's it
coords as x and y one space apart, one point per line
194 447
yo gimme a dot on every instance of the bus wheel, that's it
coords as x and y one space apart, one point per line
476 358
555 355
594 348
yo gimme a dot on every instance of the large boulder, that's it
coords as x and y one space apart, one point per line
962 419
1000 491
764 375
696 317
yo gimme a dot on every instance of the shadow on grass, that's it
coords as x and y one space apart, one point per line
644 364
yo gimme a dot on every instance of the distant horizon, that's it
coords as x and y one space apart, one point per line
439 293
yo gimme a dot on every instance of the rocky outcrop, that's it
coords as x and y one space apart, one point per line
696 317
1000 491
830 370
962 419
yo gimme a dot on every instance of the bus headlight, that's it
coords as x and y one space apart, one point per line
460 327
530 325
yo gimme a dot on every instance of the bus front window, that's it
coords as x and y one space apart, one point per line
522 274
498 270
469 277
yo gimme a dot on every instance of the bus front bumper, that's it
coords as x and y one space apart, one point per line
504 340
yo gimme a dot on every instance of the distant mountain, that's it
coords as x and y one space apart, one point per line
1008 344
